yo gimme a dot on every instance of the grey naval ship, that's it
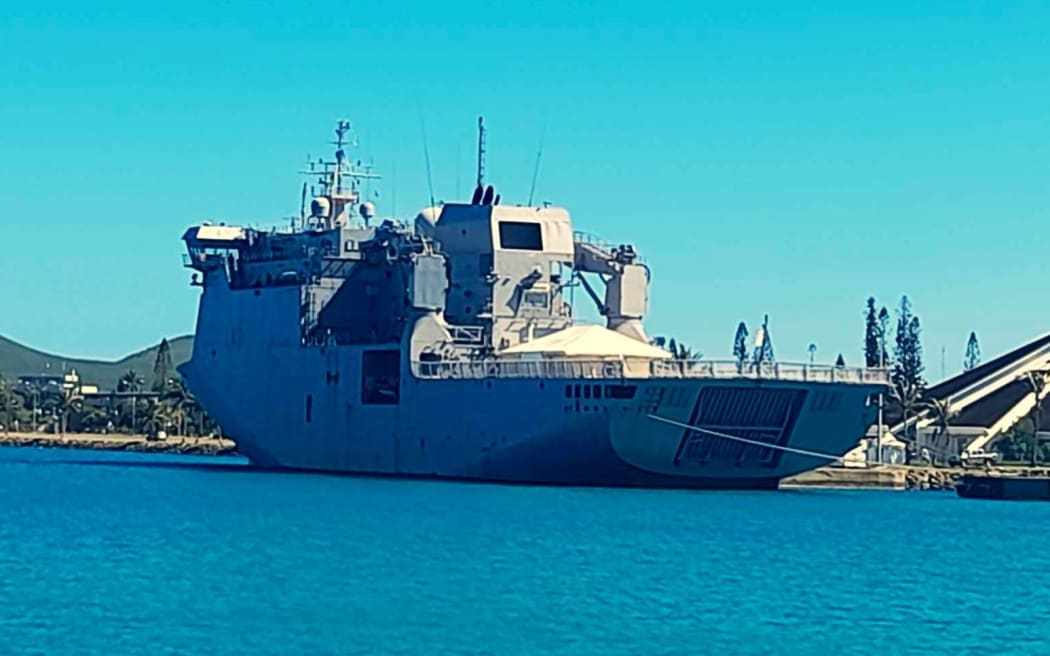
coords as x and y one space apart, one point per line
449 348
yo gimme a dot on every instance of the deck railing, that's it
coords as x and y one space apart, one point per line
600 369
659 369
766 370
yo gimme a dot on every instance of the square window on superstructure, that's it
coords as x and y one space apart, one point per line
537 299
520 236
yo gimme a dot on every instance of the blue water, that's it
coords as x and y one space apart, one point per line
125 554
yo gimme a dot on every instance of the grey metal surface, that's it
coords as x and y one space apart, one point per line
348 347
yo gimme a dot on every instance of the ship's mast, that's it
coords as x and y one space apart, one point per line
482 195
341 128
481 152
332 199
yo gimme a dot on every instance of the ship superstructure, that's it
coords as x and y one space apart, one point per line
451 348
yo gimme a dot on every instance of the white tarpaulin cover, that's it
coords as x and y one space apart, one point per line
588 341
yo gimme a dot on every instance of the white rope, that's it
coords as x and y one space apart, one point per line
765 445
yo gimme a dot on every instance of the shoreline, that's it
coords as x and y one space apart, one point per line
202 446
887 477
900 477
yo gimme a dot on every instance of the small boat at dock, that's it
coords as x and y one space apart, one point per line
1014 488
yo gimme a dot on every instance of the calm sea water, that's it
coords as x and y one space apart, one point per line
123 554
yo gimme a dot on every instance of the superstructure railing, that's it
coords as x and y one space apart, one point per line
599 369
658 369
815 373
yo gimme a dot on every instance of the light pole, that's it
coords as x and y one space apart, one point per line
812 352
878 435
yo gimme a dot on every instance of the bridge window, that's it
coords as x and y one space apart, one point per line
309 408
381 377
520 235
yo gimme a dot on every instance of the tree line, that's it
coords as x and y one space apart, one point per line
906 367
165 408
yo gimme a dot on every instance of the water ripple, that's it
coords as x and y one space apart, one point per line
149 554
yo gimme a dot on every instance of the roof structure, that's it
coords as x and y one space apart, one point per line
992 397
588 341
956 383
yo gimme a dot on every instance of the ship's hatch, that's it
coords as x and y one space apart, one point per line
753 413
381 377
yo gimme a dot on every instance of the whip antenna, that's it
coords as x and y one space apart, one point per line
426 157
536 169
481 151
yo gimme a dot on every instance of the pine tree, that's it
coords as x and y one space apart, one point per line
906 376
840 361
872 340
162 367
908 368
740 344
973 353
884 329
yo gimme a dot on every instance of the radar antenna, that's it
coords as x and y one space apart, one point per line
332 196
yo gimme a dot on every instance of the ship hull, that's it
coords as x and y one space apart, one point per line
529 431
304 407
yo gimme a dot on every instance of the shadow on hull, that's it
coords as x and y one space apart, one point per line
245 467
648 482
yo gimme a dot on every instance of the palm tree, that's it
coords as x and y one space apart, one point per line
31 399
678 350
907 395
8 404
131 383
156 420
1037 381
69 405
178 403
942 414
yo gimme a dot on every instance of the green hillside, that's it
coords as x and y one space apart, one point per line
18 360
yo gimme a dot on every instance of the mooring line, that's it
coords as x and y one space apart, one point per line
765 445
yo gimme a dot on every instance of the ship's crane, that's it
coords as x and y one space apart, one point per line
626 283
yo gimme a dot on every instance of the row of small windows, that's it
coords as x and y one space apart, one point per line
579 391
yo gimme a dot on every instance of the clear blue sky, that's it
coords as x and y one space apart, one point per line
766 156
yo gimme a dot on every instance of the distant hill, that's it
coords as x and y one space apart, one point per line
18 360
